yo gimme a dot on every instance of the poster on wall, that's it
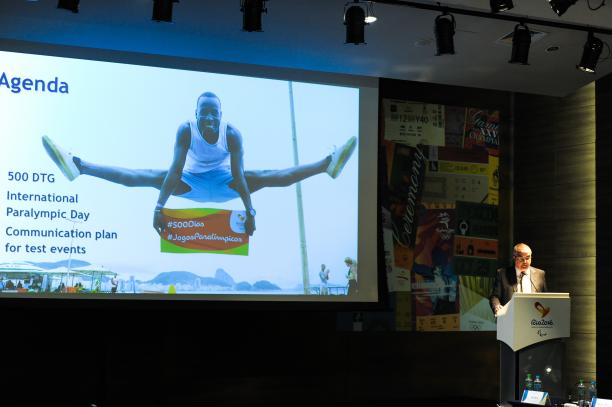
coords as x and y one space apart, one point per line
453 219
481 129
403 311
476 314
475 260
456 174
401 192
454 122
413 123
434 281
476 249
406 171
398 258
477 220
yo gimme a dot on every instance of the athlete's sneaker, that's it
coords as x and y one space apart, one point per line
61 158
340 156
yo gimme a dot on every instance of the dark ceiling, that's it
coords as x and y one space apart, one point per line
310 35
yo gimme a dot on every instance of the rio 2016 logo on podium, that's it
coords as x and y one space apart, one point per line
204 230
541 323
541 309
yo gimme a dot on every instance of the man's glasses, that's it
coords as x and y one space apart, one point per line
524 259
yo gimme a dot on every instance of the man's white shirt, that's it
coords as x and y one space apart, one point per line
525 287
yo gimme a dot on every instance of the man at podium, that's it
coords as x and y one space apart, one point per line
518 278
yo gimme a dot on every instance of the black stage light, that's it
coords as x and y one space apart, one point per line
501 5
561 6
251 14
162 10
354 19
521 41
444 29
72 5
591 53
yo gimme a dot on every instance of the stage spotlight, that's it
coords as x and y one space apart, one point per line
521 41
162 10
591 53
370 16
444 29
501 5
72 5
561 6
358 14
354 20
251 14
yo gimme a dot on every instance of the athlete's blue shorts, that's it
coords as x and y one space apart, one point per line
210 186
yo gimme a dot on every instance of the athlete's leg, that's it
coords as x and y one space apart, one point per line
123 176
332 165
257 180
72 167
129 177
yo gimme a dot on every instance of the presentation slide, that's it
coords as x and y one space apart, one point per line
134 181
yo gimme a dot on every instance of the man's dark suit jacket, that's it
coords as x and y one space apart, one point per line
506 285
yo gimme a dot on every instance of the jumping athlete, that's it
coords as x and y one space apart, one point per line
207 165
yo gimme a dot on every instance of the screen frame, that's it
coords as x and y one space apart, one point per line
367 205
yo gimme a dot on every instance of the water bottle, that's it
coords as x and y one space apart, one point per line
592 390
528 382
580 393
537 383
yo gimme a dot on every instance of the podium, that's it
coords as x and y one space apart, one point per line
530 328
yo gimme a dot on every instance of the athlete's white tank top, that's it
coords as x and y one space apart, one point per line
203 156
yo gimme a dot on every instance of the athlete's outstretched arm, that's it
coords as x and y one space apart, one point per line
181 146
234 144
